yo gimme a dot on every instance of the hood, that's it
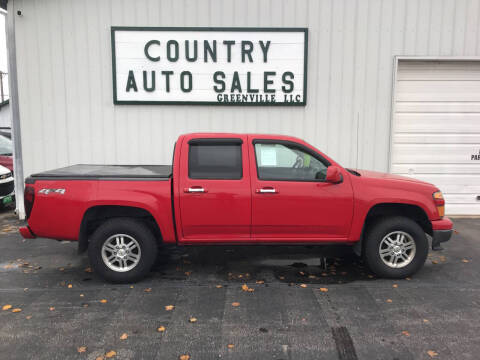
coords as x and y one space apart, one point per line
379 175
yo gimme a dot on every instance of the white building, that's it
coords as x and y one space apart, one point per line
391 85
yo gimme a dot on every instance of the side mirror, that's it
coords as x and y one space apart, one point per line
334 176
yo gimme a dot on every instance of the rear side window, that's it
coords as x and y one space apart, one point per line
211 160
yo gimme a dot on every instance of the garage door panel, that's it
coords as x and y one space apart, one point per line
438 90
437 123
461 199
462 209
437 107
436 129
407 169
440 70
429 138
434 153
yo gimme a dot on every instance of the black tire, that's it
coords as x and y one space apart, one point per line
375 235
131 227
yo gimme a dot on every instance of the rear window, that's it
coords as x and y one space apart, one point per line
210 160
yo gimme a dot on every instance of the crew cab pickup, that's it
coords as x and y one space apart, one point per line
229 189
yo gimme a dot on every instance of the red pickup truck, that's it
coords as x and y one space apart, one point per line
235 189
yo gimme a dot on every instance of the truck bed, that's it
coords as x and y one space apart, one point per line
94 172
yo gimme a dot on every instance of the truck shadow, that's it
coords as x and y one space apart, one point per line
262 264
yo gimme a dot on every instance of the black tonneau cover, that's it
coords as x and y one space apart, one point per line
82 171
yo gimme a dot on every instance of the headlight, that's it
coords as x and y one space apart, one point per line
439 203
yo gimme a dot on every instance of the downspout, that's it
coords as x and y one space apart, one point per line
15 111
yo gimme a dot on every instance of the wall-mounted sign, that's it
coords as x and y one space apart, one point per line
213 66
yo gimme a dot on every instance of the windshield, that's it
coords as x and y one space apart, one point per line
5 146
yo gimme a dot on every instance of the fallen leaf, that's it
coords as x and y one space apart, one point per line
100 358
395 285
184 357
110 354
426 321
103 301
235 304
301 273
434 262
465 261
61 269
407 278
230 346
28 317
192 319
81 295
432 353
161 329
406 333
169 307
82 349
259 282
219 286
124 336
303 285
88 270
244 287
251 290
6 307
51 308
70 286
16 310
148 289
323 289
389 300
187 273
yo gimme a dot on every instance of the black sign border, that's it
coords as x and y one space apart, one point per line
239 29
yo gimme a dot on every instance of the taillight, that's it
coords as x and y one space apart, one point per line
28 199
439 203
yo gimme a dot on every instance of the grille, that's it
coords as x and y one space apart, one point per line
6 188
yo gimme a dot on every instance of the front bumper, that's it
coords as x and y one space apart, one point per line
442 231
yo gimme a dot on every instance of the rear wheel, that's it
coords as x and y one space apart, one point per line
395 247
122 250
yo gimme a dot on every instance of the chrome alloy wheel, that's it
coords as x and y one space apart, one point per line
121 252
397 249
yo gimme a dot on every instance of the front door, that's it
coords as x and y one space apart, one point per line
290 199
214 188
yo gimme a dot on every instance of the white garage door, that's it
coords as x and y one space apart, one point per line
436 129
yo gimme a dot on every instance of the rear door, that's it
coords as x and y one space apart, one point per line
290 200
214 189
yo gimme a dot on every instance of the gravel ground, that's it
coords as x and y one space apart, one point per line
248 303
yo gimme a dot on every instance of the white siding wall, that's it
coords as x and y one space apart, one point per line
65 76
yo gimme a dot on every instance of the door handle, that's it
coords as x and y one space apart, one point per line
267 191
194 190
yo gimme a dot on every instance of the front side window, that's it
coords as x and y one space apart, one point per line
282 161
221 161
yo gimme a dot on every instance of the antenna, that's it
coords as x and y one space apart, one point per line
358 121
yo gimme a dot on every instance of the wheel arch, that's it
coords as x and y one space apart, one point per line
96 215
383 210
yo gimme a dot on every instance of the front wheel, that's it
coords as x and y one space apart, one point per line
395 247
122 250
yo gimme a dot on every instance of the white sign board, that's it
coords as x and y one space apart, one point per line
213 66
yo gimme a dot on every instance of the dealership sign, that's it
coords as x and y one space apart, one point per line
213 66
